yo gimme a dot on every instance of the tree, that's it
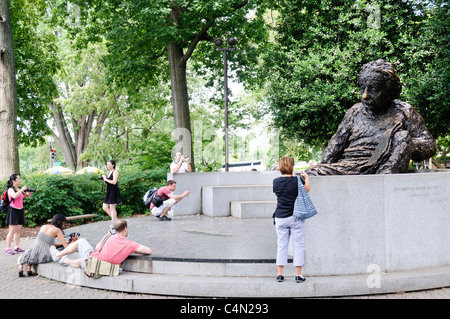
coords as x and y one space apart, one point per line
94 119
320 47
9 156
83 104
147 38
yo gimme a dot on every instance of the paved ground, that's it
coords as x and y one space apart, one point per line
148 231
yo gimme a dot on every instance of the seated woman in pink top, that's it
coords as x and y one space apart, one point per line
15 216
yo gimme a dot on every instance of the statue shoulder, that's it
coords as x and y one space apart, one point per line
403 105
405 108
356 108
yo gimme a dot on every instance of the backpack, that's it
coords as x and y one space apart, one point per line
148 196
4 201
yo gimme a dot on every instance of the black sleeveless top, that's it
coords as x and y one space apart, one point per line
112 191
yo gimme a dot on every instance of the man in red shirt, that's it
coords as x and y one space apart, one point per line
116 249
169 200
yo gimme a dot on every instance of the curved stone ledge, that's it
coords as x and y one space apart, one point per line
373 234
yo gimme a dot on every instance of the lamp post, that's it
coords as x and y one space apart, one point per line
231 42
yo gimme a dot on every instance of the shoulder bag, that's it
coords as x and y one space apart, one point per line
95 268
303 206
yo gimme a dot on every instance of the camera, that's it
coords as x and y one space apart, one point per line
31 190
100 177
71 237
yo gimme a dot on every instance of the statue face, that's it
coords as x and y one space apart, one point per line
375 93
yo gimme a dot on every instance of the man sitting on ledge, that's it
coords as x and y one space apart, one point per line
381 134
116 249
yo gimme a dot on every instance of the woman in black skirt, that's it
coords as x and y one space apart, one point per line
15 216
112 197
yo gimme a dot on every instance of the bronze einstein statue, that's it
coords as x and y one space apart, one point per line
380 135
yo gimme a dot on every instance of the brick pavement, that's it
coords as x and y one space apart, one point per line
38 287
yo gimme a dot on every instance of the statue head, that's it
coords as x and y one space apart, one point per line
379 85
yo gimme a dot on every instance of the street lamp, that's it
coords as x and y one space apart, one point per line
231 42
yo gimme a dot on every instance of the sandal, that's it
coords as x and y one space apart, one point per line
29 272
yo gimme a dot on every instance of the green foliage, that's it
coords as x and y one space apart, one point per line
36 62
133 184
138 33
71 195
83 194
320 47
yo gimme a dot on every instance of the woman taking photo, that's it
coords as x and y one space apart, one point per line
15 216
112 197
40 252
287 225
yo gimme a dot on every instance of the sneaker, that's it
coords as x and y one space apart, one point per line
18 250
299 279
9 252
61 261
280 278
164 218
53 252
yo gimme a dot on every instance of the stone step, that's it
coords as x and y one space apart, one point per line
205 267
253 209
216 199
256 287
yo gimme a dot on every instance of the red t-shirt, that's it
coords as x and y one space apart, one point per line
116 250
163 192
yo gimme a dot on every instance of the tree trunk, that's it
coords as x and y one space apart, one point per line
9 155
181 115
64 139
84 131
82 127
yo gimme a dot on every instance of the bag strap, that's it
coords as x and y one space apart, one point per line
104 241
155 193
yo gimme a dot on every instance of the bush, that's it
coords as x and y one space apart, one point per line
133 185
83 194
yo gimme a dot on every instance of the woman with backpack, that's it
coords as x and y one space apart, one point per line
15 216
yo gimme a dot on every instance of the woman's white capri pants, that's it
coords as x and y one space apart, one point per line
290 227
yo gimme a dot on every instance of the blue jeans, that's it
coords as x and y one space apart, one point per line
290 227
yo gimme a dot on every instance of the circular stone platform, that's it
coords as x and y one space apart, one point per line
226 257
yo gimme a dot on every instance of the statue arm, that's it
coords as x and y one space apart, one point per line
423 142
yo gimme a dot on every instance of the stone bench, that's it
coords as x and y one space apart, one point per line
253 209
216 199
